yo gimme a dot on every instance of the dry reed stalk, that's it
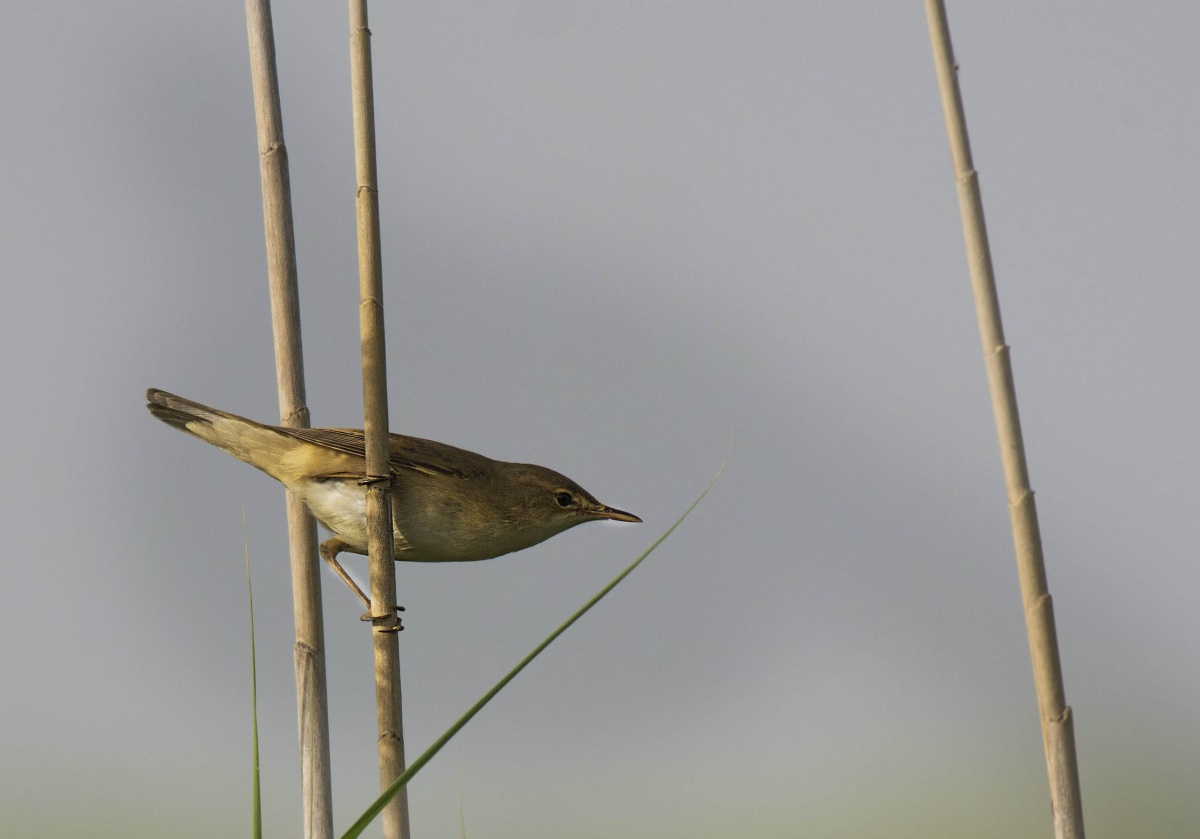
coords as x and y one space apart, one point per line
1058 732
311 698
375 424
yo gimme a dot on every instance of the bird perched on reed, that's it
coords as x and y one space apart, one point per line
448 504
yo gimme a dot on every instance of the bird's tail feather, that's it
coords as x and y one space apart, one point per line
259 445
178 412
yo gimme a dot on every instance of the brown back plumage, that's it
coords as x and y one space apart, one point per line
218 427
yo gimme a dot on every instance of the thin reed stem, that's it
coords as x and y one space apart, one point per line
1058 732
312 705
375 424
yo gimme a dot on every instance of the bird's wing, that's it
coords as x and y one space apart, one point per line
405 452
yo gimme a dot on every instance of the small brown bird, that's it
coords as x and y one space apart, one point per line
448 504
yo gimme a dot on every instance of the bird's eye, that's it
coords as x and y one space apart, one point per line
564 499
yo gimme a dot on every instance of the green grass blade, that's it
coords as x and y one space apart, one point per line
375 809
256 827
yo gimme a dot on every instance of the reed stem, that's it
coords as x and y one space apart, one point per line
388 704
312 706
1058 733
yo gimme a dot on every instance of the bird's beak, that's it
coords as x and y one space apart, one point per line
614 514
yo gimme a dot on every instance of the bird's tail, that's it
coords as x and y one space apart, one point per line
262 446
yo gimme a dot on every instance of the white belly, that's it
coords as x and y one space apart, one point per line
342 507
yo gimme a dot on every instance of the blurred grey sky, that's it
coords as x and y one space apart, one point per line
614 235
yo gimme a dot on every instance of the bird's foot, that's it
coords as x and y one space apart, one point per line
380 621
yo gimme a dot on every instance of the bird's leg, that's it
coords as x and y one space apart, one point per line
330 548
329 551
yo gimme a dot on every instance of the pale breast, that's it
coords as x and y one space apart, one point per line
341 505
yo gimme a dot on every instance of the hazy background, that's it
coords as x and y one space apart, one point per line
615 234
